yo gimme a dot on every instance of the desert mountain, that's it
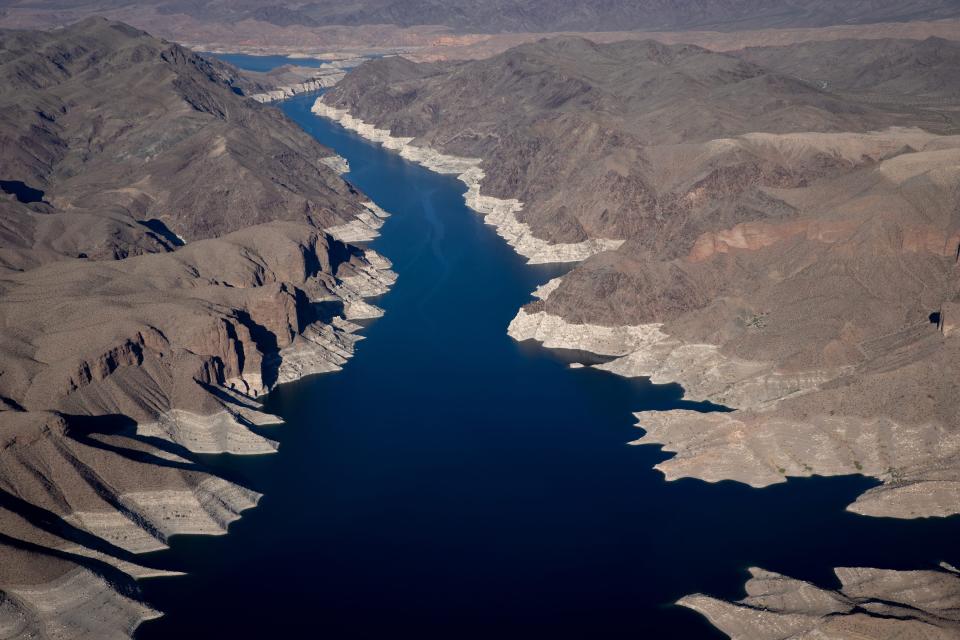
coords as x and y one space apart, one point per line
567 116
900 69
759 227
164 241
122 130
782 247
543 15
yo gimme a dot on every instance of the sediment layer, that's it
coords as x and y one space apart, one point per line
365 225
79 605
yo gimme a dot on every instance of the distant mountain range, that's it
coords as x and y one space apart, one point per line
445 29
786 224
543 15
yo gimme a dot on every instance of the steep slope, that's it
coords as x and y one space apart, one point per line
163 242
197 159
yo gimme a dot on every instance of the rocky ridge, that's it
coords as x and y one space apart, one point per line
518 15
166 249
285 91
346 31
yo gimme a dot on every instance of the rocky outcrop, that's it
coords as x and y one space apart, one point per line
338 163
705 373
871 603
79 604
217 433
228 324
365 225
289 80
914 462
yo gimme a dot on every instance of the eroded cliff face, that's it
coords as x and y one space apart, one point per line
164 242
180 345
780 249
217 312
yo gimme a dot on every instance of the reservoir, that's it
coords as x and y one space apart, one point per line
265 63
452 483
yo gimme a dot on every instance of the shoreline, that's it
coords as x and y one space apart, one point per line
138 504
497 212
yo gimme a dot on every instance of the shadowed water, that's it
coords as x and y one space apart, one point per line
451 483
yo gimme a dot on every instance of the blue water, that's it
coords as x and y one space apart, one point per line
265 63
451 483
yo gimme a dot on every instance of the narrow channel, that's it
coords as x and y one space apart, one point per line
452 483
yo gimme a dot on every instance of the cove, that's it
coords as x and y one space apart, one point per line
452 483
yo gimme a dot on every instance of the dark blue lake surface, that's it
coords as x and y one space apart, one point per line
265 63
451 483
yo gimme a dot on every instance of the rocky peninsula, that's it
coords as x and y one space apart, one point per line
289 80
871 603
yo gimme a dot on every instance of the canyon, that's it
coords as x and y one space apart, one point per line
763 212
